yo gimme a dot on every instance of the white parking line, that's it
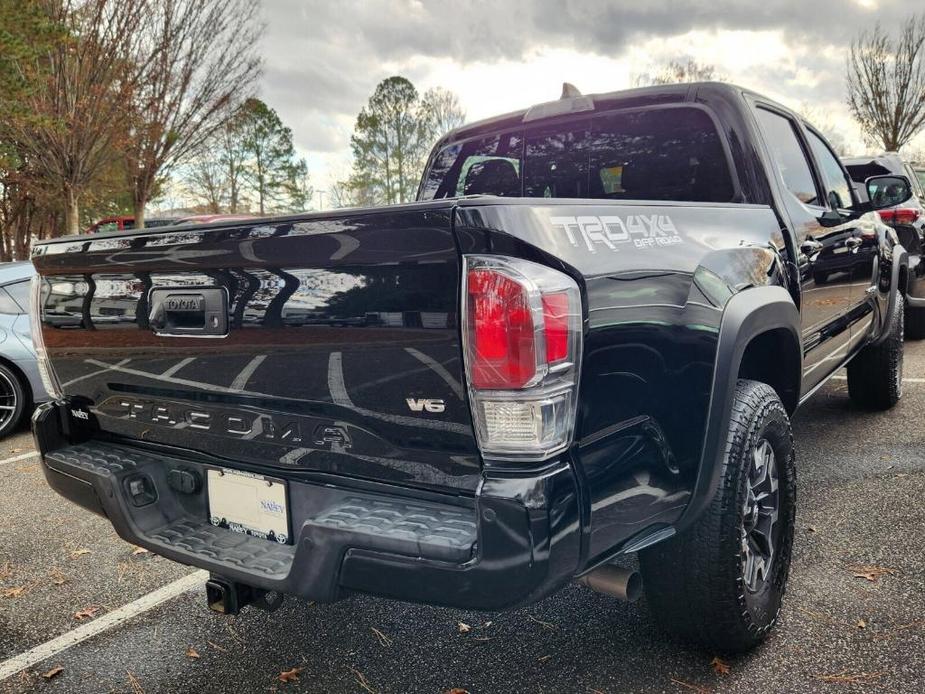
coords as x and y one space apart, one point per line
176 367
905 380
439 369
17 458
242 378
108 621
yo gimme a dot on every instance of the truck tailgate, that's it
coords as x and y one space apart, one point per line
328 344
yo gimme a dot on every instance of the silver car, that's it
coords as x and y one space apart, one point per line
20 383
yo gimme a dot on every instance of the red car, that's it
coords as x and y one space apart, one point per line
212 218
125 223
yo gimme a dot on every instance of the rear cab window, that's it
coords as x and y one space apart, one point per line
663 153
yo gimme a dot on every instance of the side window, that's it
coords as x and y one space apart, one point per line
20 291
7 305
837 191
789 156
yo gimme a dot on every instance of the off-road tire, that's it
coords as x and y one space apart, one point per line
915 323
695 583
875 375
13 400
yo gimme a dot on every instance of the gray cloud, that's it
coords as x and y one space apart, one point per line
323 59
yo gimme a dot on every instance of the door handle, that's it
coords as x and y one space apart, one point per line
811 246
853 242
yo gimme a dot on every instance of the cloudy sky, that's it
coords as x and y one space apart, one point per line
323 59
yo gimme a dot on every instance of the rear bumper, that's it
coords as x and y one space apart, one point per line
515 542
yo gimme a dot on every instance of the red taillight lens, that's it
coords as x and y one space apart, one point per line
502 331
556 320
521 329
899 215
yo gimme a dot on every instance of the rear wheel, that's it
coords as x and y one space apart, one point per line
720 583
875 375
12 401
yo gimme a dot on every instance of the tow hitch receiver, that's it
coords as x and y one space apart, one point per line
228 597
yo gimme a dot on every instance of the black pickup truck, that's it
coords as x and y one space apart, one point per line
583 341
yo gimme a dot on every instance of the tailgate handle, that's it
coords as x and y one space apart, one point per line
189 311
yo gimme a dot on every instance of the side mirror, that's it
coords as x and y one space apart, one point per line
887 191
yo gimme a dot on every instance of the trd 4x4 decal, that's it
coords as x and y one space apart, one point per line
643 231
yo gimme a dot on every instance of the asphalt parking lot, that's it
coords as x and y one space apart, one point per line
854 617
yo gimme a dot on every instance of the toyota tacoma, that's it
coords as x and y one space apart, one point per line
584 340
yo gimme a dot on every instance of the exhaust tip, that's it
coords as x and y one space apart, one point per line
615 581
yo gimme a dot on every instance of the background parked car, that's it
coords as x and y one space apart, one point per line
908 219
20 383
125 222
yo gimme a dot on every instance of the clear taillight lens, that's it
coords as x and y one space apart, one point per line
522 335
49 380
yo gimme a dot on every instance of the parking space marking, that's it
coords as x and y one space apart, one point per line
336 385
108 621
176 367
242 378
905 380
439 369
17 458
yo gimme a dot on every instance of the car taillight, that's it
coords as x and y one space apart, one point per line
899 215
49 380
522 338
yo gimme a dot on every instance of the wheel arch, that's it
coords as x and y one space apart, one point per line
23 378
756 323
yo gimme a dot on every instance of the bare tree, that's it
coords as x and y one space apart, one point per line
201 58
678 71
444 111
886 83
207 178
72 116
822 121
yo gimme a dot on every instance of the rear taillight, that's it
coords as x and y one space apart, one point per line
49 380
899 215
522 335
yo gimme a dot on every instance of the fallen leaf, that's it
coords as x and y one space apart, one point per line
871 573
545 625
457 690
720 666
192 653
78 553
15 591
134 683
57 576
362 681
861 624
290 675
847 677
87 612
383 639
811 528
54 672
463 627
139 550
543 658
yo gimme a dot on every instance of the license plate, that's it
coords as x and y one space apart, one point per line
249 504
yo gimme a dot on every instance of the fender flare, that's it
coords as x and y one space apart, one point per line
900 261
746 315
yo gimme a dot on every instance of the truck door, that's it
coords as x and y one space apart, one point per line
862 246
824 254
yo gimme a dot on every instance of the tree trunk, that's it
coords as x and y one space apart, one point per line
140 201
71 211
